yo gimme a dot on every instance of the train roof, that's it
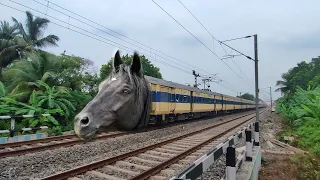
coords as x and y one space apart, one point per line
182 86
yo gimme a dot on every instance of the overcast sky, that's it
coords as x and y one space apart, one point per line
288 33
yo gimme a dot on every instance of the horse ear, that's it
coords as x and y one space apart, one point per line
117 61
136 64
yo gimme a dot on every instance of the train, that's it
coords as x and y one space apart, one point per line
172 102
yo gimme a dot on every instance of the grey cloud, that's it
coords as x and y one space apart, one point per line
307 40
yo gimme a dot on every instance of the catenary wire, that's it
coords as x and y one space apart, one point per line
115 31
110 34
120 34
214 37
123 47
200 42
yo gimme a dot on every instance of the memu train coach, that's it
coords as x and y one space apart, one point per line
175 102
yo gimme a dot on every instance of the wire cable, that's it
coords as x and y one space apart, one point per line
115 33
123 47
214 37
200 42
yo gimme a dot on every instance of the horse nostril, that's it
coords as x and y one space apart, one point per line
84 121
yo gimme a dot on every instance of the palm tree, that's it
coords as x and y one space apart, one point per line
283 84
23 75
8 32
8 39
34 31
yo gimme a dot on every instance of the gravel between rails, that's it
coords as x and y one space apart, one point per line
41 164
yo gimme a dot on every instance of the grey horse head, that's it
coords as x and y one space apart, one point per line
123 100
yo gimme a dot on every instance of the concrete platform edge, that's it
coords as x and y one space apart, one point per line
250 170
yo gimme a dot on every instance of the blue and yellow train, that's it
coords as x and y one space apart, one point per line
175 102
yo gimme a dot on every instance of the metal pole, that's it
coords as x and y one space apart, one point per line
256 143
240 101
271 99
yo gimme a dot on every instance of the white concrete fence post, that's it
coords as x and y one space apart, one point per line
256 134
231 163
248 145
12 124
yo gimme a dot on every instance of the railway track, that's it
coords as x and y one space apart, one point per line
24 147
152 161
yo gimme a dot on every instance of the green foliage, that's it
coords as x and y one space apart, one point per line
303 75
33 81
308 166
78 74
247 96
33 31
148 68
17 39
302 116
300 106
23 75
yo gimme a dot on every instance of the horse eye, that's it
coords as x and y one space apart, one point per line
126 91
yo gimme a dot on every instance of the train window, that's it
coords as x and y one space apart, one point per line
172 97
177 97
180 98
154 96
185 99
164 97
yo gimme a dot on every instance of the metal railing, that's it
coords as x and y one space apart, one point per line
12 129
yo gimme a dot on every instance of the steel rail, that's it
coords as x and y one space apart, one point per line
56 138
52 146
70 143
150 172
97 164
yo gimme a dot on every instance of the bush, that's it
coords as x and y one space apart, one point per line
302 117
308 166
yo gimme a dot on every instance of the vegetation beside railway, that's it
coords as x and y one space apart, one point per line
33 81
300 107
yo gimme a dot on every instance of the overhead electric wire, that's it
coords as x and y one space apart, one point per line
200 41
123 47
115 33
240 69
86 31
213 36
110 30
108 33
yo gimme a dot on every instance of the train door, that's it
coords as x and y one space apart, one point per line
172 99
191 101
164 105
214 103
222 102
